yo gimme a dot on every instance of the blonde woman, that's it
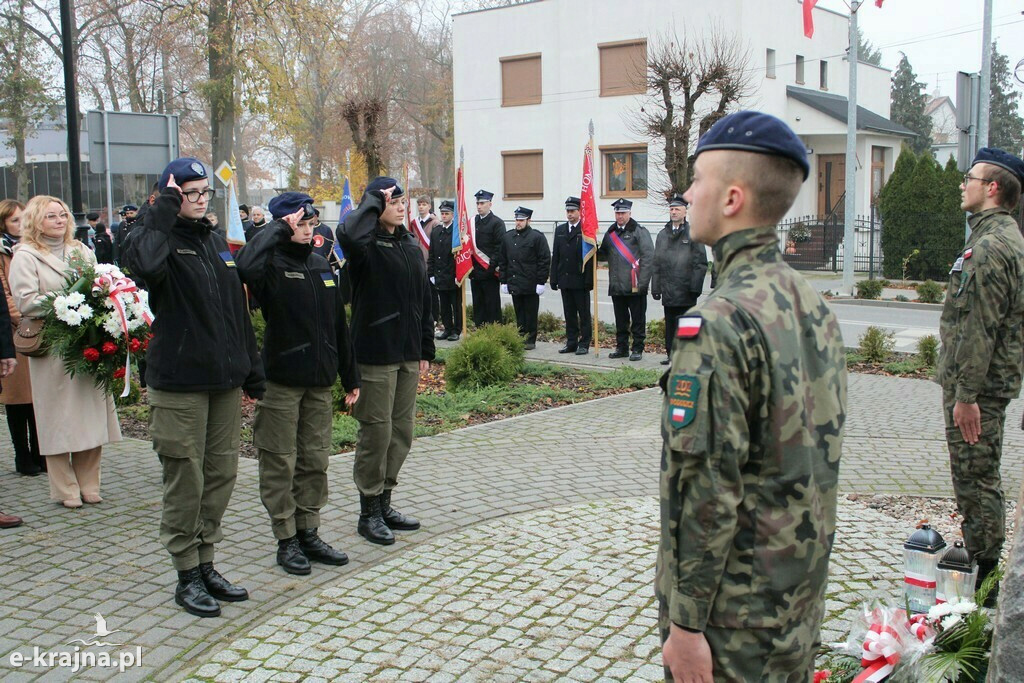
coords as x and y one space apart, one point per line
73 418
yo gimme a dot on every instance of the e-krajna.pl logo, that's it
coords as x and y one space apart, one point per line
78 659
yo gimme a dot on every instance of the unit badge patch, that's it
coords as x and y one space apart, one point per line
683 391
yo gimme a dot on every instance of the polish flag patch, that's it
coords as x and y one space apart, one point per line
967 254
689 327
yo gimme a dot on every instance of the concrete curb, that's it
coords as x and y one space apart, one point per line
886 303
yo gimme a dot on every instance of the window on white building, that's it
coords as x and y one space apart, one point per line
823 75
877 170
625 171
520 80
524 174
800 69
769 63
623 68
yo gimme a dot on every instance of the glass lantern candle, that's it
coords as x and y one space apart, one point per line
920 561
956 574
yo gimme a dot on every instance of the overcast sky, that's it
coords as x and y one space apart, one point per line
940 37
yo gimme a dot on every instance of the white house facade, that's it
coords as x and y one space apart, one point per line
528 78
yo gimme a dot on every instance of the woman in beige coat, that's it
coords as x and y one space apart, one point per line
16 389
73 418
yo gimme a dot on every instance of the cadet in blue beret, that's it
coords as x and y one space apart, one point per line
980 363
629 250
525 262
393 334
488 231
572 280
752 424
306 348
201 358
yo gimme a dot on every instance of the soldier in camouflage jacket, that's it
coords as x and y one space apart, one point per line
982 332
755 403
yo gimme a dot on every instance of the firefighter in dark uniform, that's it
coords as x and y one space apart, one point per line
306 347
202 356
630 253
392 333
680 267
441 271
573 282
488 231
525 262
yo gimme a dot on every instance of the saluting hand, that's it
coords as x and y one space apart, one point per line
386 193
173 185
293 219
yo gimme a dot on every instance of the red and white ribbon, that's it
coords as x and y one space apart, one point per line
116 288
882 648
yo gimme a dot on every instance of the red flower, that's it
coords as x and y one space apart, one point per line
91 355
134 345
821 675
119 373
109 348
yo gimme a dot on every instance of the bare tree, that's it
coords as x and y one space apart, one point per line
691 80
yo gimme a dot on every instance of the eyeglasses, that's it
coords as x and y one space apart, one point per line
63 215
194 195
968 178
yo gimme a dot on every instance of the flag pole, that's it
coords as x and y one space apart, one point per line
597 339
462 285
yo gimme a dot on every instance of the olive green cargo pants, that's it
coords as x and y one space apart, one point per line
386 411
292 434
196 435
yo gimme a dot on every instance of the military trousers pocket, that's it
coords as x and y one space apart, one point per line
175 423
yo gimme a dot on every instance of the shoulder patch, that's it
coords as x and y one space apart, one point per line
968 253
328 279
689 326
229 260
683 391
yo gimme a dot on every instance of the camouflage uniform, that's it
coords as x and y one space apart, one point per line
752 426
982 346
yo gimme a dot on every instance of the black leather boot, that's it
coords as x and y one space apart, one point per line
986 567
315 548
371 523
219 587
291 557
193 596
393 518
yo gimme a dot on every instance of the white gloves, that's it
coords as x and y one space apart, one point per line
540 289
504 289
432 280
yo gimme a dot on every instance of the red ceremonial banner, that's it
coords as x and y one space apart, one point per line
588 208
464 247
808 18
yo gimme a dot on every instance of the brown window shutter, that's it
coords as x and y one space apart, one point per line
623 68
524 174
520 80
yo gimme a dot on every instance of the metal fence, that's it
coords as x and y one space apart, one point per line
817 243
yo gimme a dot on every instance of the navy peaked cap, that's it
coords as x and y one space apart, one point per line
523 212
128 207
622 205
754 131
183 170
383 182
484 196
997 157
288 203
447 205
573 203
677 200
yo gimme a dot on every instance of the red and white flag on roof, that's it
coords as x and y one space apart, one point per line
809 18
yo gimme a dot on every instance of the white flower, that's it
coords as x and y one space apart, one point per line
112 325
950 621
964 606
938 611
72 318
104 268
85 310
75 299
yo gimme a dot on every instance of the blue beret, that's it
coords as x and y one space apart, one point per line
288 203
447 205
677 200
572 203
754 131
183 170
997 157
622 205
383 182
484 196
523 212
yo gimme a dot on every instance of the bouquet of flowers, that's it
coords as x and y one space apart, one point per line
96 322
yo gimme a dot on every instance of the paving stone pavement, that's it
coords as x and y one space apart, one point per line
587 472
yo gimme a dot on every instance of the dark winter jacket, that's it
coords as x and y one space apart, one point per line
567 260
488 232
202 335
306 343
103 245
680 266
638 240
391 320
525 260
440 259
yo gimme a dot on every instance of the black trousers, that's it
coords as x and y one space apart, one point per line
486 301
21 422
451 309
435 304
630 318
672 316
526 306
579 324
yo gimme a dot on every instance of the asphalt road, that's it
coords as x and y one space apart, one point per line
907 324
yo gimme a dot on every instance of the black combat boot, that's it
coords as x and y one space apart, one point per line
193 596
618 353
393 518
986 567
219 587
291 557
315 548
371 523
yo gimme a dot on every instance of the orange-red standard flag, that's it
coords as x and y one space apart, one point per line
808 18
588 205
462 238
